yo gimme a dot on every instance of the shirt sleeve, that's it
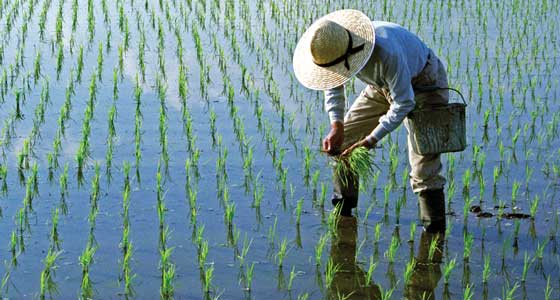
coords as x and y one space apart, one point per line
334 103
398 80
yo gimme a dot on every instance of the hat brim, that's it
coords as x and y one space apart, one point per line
323 78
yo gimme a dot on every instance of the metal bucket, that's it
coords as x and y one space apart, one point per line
438 129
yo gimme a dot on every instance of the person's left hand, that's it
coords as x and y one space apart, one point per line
362 143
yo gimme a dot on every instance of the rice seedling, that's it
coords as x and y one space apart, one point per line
249 277
409 270
534 206
23 155
100 62
258 193
501 207
509 291
126 245
468 292
37 67
548 290
293 275
386 193
486 270
213 119
526 265
59 61
244 250
392 250
3 177
377 232
371 268
539 252
298 211
34 178
319 248
514 190
208 276
271 237
496 177
63 184
386 294
18 99
405 177
203 254
281 254
29 194
13 247
167 288
229 214
466 181
412 232
359 162
48 284
5 281
398 206
434 243
368 211
331 269
55 242
467 207
120 51
447 269
332 221
85 261
467 245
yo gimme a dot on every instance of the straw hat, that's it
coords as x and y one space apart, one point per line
333 49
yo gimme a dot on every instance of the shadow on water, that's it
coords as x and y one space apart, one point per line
350 280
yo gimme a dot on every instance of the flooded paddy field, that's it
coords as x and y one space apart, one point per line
164 149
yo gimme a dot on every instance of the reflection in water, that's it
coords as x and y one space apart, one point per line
427 271
349 281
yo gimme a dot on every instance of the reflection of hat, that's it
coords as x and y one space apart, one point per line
333 49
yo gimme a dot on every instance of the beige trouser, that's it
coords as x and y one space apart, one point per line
373 103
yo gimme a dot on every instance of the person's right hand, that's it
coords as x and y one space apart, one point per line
333 141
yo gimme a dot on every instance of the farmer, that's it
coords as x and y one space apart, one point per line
395 64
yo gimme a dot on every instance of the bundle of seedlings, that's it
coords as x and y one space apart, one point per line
356 164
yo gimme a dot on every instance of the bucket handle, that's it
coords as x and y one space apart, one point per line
432 88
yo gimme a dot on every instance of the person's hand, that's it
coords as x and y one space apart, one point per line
333 141
362 143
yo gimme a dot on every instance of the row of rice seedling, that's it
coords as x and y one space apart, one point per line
86 258
83 150
64 116
48 284
126 275
166 266
247 162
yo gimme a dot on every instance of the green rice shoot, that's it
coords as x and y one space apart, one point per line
357 164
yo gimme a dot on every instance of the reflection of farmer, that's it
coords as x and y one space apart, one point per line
350 280
427 271
395 64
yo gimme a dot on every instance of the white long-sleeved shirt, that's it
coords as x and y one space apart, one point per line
398 56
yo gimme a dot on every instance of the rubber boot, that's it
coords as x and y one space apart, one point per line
432 210
346 189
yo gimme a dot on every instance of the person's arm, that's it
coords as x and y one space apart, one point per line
334 106
398 79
